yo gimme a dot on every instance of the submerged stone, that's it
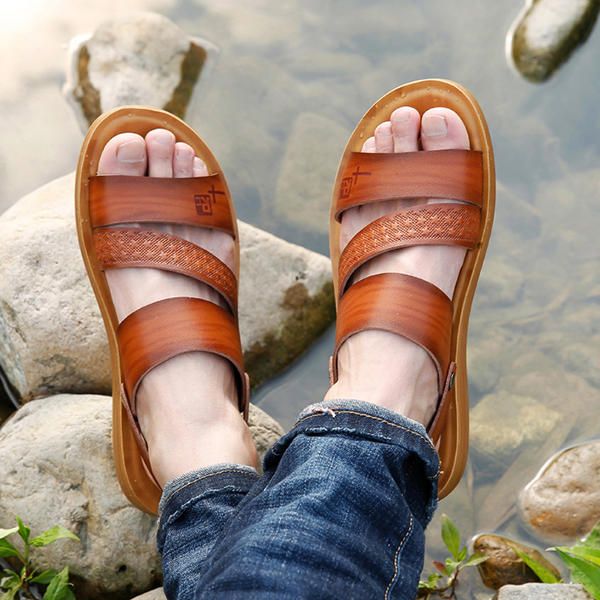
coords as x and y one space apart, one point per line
503 425
503 565
140 59
547 33
52 338
562 502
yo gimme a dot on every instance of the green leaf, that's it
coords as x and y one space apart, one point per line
52 535
6 532
462 554
59 588
590 554
544 574
451 536
475 559
11 593
9 582
451 565
44 577
24 531
592 539
431 584
7 549
583 572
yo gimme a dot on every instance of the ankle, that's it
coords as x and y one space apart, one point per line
389 371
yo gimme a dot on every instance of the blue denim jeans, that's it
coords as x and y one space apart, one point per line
339 512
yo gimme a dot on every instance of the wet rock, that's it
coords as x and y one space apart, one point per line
503 425
52 338
56 467
548 31
542 591
140 59
503 565
156 594
562 502
308 170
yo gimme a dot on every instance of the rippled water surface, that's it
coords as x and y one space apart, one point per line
292 67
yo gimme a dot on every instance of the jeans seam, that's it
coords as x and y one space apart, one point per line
406 429
189 483
393 581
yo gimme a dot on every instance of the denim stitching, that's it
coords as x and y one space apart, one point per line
388 589
186 485
352 412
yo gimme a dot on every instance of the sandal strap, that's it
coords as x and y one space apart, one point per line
198 201
447 224
374 177
400 304
162 330
121 248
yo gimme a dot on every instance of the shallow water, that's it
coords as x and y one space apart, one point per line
291 66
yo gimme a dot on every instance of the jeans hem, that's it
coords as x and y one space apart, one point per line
182 492
364 420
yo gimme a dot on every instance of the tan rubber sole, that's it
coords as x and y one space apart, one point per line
453 446
135 480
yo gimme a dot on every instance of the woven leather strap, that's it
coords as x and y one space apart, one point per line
373 177
400 304
119 248
448 224
199 201
162 330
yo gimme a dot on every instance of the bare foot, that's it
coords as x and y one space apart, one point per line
187 407
378 366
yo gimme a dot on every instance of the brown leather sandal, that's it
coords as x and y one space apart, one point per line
164 329
406 305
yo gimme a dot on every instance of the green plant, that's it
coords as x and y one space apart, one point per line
18 577
582 559
443 583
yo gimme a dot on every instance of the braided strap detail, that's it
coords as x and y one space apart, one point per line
120 248
429 224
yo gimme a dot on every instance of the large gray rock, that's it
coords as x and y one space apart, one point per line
548 31
56 467
542 591
562 503
140 59
52 338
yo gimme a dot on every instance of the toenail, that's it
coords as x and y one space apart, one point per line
434 125
131 152
401 115
163 137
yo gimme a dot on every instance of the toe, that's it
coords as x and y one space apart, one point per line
183 160
160 145
384 142
405 129
443 129
124 154
199 167
369 145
